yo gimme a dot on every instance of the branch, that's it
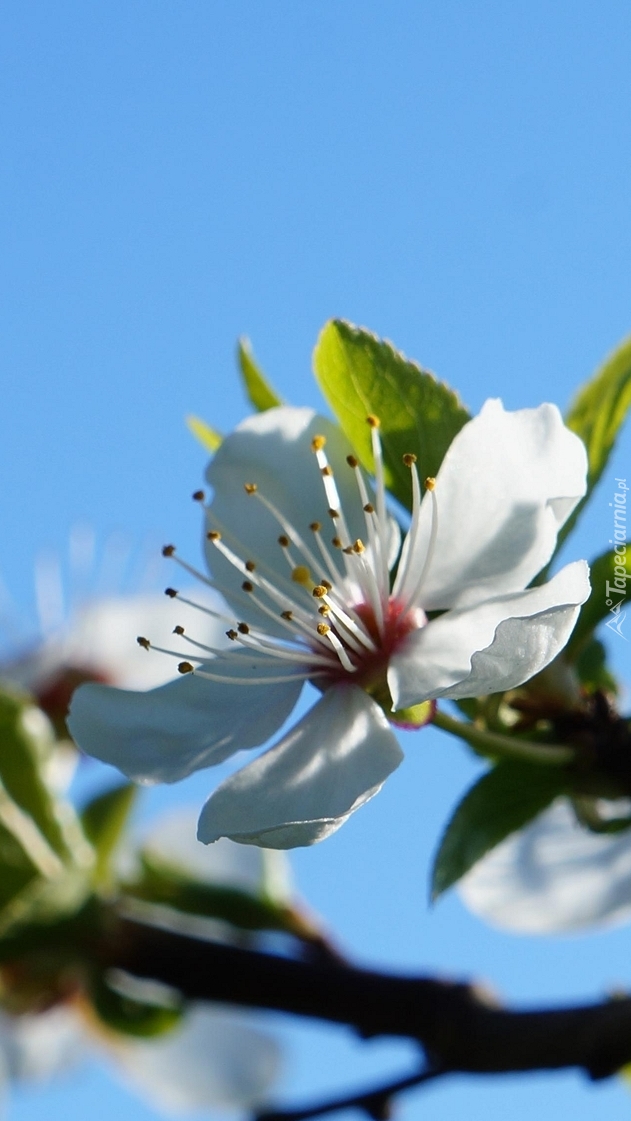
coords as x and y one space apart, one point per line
458 1026
376 1102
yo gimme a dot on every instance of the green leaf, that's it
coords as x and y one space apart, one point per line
596 415
502 801
208 437
104 820
606 600
591 667
361 375
258 390
130 1016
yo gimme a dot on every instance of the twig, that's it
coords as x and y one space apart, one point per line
375 1103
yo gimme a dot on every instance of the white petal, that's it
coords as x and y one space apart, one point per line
165 734
215 1059
508 482
173 839
492 647
306 786
273 450
553 876
37 1047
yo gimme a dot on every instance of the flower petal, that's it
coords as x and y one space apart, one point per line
495 646
306 786
215 1059
273 450
506 485
166 733
551 877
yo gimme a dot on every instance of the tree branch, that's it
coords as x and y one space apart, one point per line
457 1024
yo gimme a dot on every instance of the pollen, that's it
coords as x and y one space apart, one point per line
250 488
301 575
319 591
213 535
185 667
323 628
178 630
409 459
144 642
373 421
170 592
324 609
318 443
430 483
198 496
168 550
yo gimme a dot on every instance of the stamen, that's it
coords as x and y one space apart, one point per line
178 630
339 649
267 680
168 550
411 543
185 667
198 496
171 592
250 488
411 599
144 642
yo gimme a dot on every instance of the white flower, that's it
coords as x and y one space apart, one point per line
302 608
552 877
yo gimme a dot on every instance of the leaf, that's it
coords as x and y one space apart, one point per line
130 1016
104 820
361 375
610 592
591 667
596 415
258 390
208 437
502 801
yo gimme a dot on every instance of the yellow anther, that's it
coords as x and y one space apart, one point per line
352 461
327 585
409 459
333 513
319 591
185 667
144 642
288 615
359 546
198 496
178 630
243 628
170 592
168 550
336 542
315 527
213 535
323 628
324 609
369 508
232 634
430 483
373 421
318 443
250 566
326 471
247 586
301 575
250 488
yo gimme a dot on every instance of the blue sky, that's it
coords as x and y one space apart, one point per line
453 176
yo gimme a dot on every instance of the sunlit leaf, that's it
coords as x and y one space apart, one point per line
104 820
259 392
208 437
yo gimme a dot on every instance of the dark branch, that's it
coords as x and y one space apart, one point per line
458 1026
375 1103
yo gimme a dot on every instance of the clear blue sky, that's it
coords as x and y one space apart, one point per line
454 176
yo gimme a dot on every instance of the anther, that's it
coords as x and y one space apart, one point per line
359 546
369 508
213 535
247 586
168 550
284 541
348 551
198 496
301 575
409 459
318 443
144 642
232 634
430 483
185 667
319 591
243 628
178 630
352 461
336 542
288 615
323 628
333 513
250 488
315 527
250 566
326 471
327 584
324 609
170 592
373 421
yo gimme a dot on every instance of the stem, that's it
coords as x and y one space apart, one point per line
374 1102
509 747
